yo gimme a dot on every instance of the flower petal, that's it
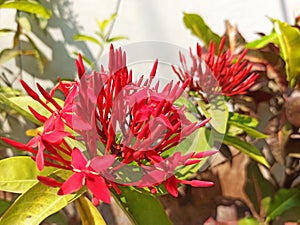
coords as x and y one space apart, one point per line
100 163
55 137
171 186
79 161
96 184
72 184
40 157
197 183
49 181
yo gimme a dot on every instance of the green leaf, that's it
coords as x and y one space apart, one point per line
8 54
116 38
102 25
289 43
28 6
257 187
39 202
19 173
13 104
141 208
263 41
253 132
246 148
217 110
200 141
244 119
181 101
200 29
89 214
82 37
248 221
20 105
284 200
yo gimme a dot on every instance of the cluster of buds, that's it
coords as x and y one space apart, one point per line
216 74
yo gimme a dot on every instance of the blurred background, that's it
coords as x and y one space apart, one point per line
138 20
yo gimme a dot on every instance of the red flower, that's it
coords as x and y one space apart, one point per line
220 74
84 174
164 169
51 139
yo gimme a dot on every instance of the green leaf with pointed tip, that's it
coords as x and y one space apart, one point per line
200 29
82 37
283 200
116 38
246 148
263 41
102 25
141 208
19 173
89 214
28 6
289 43
253 132
39 202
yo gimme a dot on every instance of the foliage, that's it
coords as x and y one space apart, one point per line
274 197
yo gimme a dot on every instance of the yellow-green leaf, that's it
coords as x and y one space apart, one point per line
89 214
200 29
19 173
263 41
82 37
28 6
289 43
217 110
246 148
39 202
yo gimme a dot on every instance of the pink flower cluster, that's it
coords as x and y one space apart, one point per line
130 130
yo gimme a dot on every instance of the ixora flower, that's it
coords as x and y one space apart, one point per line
130 130
217 74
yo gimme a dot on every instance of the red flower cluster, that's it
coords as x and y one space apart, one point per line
217 74
127 127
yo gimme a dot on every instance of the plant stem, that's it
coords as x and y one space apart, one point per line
117 7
